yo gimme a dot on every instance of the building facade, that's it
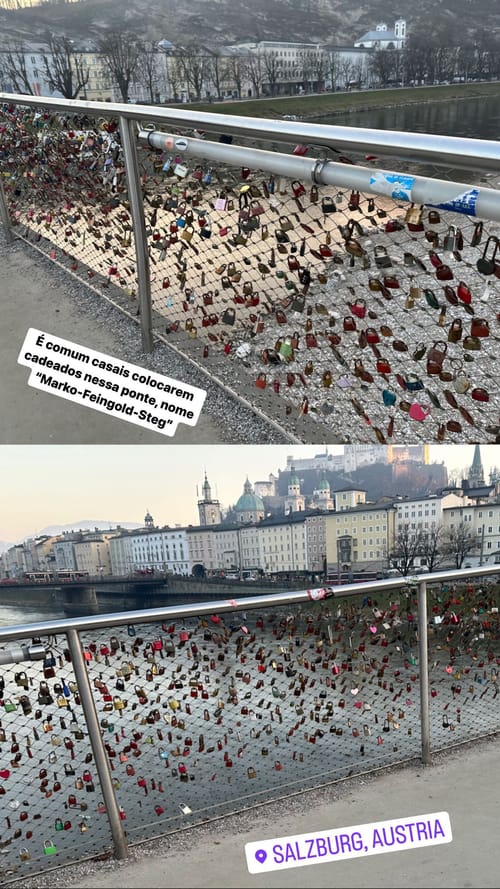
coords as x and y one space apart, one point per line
482 522
151 548
360 538
383 37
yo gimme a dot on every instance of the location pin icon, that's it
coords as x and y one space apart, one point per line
261 855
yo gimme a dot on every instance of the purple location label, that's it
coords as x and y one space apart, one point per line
261 855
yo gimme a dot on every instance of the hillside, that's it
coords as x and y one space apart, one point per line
217 22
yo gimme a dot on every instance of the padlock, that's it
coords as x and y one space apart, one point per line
49 848
450 242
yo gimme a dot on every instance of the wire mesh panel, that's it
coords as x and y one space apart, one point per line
48 781
340 315
65 182
206 716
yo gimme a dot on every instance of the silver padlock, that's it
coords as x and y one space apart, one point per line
451 239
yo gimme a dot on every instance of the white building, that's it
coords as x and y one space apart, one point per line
64 554
348 498
266 488
426 513
483 520
92 554
383 37
283 544
163 549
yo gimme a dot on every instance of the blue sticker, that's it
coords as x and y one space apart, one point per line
393 185
463 203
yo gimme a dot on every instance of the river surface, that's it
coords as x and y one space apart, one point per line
477 118
473 118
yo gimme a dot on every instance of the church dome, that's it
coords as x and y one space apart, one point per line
249 502
324 484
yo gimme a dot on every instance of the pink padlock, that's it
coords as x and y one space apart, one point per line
418 411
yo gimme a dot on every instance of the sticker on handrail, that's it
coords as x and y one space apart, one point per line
393 185
462 203
341 843
106 384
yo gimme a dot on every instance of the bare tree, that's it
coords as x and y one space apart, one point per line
148 69
359 71
217 71
235 71
433 547
122 52
272 70
64 69
345 71
320 68
460 543
194 64
333 67
382 65
408 544
255 72
15 70
176 78
308 70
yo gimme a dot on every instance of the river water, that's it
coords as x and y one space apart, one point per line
468 118
472 118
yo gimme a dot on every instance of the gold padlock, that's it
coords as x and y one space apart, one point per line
414 214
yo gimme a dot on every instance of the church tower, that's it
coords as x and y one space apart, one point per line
321 495
476 472
400 33
148 520
295 501
209 511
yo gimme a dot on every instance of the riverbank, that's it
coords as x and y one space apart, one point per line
314 107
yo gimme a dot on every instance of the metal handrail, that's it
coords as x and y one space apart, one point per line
224 606
419 189
464 153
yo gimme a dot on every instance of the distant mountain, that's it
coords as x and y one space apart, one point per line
84 525
4 546
218 22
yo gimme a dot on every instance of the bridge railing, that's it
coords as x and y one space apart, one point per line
337 299
117 728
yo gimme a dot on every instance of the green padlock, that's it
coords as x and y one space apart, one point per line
49 848
58 824
286 348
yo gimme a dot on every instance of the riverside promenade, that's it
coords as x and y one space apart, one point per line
464 782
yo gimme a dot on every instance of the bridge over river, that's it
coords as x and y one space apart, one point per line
93 594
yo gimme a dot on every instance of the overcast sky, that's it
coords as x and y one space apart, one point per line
60 484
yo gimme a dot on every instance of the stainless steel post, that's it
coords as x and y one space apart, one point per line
101 762
128 131
4 216
423 660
